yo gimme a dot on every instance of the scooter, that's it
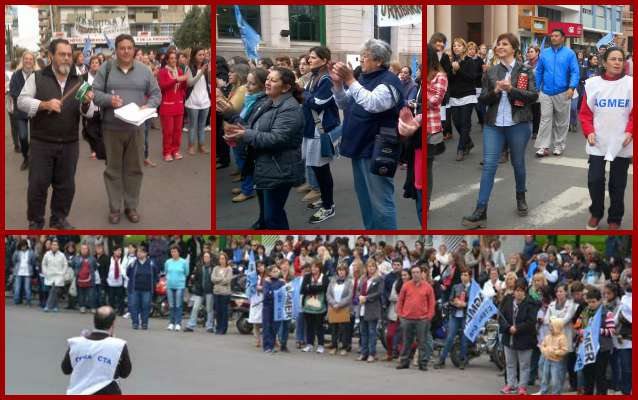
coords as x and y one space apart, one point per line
159 305
240 303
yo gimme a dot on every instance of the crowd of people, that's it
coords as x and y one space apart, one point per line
547 296
46 116
286 121
533 94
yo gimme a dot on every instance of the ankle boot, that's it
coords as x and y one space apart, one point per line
521 204
478 219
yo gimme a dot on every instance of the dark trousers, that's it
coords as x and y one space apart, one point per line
533 373
272 214
617 184
462 118
480 112
573 375
595 374
14 131
52 164
314 328
536 118
624 355
22 127
221 313
340 333
86 297
269 328
102 294
326 185
222 150
415 329
116 299
140 307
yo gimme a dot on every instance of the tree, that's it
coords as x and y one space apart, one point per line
195 29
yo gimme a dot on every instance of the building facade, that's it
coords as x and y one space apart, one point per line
290 30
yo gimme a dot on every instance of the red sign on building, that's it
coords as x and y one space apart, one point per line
571 30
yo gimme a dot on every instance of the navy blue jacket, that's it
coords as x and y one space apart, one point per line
15 87
149 269
318 97
557 71
360 126
269 292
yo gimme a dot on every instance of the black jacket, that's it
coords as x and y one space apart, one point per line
525 337
463 82
275 131
200 280
492 99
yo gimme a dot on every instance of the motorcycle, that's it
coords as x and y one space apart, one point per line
487 342
159 305
240 303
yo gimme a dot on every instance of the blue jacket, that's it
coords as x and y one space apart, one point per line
76 264
319 98
269 292
148 268
31 261
557 71
176 273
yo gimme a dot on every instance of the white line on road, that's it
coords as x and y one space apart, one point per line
573 162
462 190
570 202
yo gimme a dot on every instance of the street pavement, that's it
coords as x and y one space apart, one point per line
167 362
557 193
347 214
174 195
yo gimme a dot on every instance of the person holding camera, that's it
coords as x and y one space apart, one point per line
371 107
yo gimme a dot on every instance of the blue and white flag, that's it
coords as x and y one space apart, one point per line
250 38
251 262
296 295
588 349
86 51
109 42
251 283
543 43
479 309
606 40
283 303
414 66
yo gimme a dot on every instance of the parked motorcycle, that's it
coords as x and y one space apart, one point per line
159 305
487 342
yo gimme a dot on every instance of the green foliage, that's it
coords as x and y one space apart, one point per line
195 29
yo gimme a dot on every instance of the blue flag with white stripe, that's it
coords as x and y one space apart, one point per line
109 42
479 310
590 345
86 51
283 303
543 43
606 40
414 66
250 38
296 296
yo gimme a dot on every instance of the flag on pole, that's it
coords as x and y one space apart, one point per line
250 38
606 40
109 42
86 51
414 66
283 303
590 345
535 41
543 43
479 310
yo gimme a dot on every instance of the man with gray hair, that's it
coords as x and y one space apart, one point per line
371 105
542 261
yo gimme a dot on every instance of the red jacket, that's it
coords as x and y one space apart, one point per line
173 93
416 302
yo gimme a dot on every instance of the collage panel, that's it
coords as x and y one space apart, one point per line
107 117
530 117
318 117
417 310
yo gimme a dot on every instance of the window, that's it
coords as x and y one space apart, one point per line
227 24
304 23
552 15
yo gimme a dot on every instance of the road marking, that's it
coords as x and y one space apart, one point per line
574 162
570 202
461 190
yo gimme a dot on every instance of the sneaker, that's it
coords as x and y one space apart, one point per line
322 214
45 310
82 310
315 205
184 129
210 330
178 327
333 351
537 393
144 327
439 365
170 327
307 349
522 390
312 195
320 349
558 151
207 129
178 156
371 359
268 351
127 316
135 327
343 352
242 197
542 152
362 358
507 389
168 158
236 191
592 224
188 329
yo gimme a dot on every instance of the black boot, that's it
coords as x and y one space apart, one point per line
478 219
521 204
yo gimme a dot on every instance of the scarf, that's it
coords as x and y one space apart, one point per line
249 102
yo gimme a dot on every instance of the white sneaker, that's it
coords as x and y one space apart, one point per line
322 214
178 327
558 150
127 315
320 349
207 129
184 129
170 327
307 348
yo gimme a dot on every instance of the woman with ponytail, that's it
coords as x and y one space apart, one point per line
274 130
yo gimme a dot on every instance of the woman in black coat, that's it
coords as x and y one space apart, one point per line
314 305
518 326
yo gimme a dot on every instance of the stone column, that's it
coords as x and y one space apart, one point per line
444 21
512 19
431 26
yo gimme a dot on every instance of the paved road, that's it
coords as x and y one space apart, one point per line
174 196
557 194
242 215
201 363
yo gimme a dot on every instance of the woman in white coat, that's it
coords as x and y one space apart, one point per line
54 265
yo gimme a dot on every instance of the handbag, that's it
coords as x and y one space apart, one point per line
386 150
314 304
338 315
327 147
69 274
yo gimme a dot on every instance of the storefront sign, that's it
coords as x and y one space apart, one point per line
571 30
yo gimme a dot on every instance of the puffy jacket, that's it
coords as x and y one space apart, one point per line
275 132
557 71
492 99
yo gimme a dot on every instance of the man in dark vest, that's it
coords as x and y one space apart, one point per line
54 135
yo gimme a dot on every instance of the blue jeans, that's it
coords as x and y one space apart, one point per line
221 313
541 373
175 305
625 370
311 178
494 138
22 126
147 126
284 330
22 284
300 328
419 205
85 297
272 214
376 196
553 377
573 112
247 181
197 123
139 305
368 332
455 325
197 303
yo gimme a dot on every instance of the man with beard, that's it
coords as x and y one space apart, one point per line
118 83
54 135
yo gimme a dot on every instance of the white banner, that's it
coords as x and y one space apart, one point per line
398 15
